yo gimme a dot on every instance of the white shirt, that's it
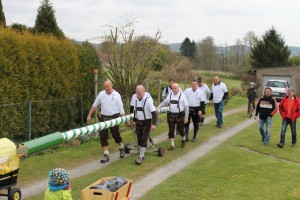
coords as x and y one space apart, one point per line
165 92
218 92
132 102
174 107
194 97
110 103
206 91
149 107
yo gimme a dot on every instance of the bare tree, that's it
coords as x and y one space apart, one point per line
206 54
223 56
129 59
250 39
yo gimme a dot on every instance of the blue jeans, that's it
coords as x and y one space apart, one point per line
219 112
265 134
285 123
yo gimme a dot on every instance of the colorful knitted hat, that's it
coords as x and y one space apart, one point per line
58 179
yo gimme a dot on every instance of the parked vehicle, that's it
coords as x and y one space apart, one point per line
279 88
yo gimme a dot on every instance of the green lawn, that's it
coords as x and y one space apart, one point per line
241 168
75 156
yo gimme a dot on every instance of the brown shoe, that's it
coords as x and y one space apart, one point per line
280 145
182 143
171 148
293 144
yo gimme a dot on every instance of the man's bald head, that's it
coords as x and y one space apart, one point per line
108 87
140 91
216 79
175 88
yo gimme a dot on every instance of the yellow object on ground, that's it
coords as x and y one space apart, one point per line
9 160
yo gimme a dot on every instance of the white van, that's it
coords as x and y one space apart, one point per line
279 88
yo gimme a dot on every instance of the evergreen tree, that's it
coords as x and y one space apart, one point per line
270 51
188 48
46 22
2 16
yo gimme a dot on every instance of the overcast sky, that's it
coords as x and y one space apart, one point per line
224 20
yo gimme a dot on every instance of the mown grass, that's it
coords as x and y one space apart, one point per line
241 168
124 167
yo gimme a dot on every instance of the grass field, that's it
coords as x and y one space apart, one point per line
75 156
241 168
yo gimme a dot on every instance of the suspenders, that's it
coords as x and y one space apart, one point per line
140 108
175 101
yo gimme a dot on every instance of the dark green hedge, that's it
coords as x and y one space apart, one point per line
38 67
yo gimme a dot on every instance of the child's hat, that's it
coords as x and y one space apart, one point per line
58 179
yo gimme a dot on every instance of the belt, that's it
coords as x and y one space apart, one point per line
117 114
176 113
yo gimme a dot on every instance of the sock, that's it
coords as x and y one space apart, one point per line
121 146
172 143
106 152
142 152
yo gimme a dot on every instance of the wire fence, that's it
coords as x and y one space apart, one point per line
32 119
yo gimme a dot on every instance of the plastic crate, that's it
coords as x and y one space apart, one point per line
122 193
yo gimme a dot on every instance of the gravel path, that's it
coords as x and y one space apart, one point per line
163 172
141 187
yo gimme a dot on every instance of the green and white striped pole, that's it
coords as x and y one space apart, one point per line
74 133
45 142
164 109
48 141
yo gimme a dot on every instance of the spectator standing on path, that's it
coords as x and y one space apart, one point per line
289 109
206 92
196 103
266 108
218 96
177 115
59 185
144 119
251 95
111 108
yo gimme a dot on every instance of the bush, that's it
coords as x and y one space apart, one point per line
237 91
36 68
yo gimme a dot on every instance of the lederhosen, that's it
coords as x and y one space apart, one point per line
175 119
143 127
114 130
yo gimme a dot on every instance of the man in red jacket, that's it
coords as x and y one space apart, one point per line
289 109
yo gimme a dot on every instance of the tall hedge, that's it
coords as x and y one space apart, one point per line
37 67
89 60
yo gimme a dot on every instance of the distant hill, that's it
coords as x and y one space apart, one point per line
176 47
294 50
